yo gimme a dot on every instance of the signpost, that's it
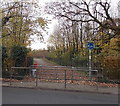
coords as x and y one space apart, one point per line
90 46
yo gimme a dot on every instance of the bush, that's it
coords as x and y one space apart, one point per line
18 54
3 51
69 59
29 61
112 67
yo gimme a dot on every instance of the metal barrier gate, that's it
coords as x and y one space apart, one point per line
45 73
54 77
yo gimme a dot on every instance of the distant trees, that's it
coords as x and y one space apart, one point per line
39 53
67 44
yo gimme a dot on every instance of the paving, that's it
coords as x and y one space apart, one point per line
61 86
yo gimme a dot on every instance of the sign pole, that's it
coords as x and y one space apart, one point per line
90 62
90 46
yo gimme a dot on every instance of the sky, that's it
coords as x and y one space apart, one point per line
37 44
43 45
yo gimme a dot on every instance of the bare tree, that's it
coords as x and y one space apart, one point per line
96 11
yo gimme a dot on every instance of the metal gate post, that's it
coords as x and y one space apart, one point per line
65 79
72 77
11 76
30 71
10 79
97 82
36 77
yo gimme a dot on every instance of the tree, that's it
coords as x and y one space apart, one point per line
19 24
22 20
82 21
95 11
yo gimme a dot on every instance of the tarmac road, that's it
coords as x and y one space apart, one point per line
37 96
41 61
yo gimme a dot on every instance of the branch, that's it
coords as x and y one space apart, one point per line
80 20
106 8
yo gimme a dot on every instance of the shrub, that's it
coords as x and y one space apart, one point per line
18 55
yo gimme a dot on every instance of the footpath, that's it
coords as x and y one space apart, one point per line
61 86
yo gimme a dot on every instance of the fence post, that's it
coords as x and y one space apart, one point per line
72 77
11 77
97 82
56 76
41 69
30 71
65 79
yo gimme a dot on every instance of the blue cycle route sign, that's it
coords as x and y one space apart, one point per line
90 45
